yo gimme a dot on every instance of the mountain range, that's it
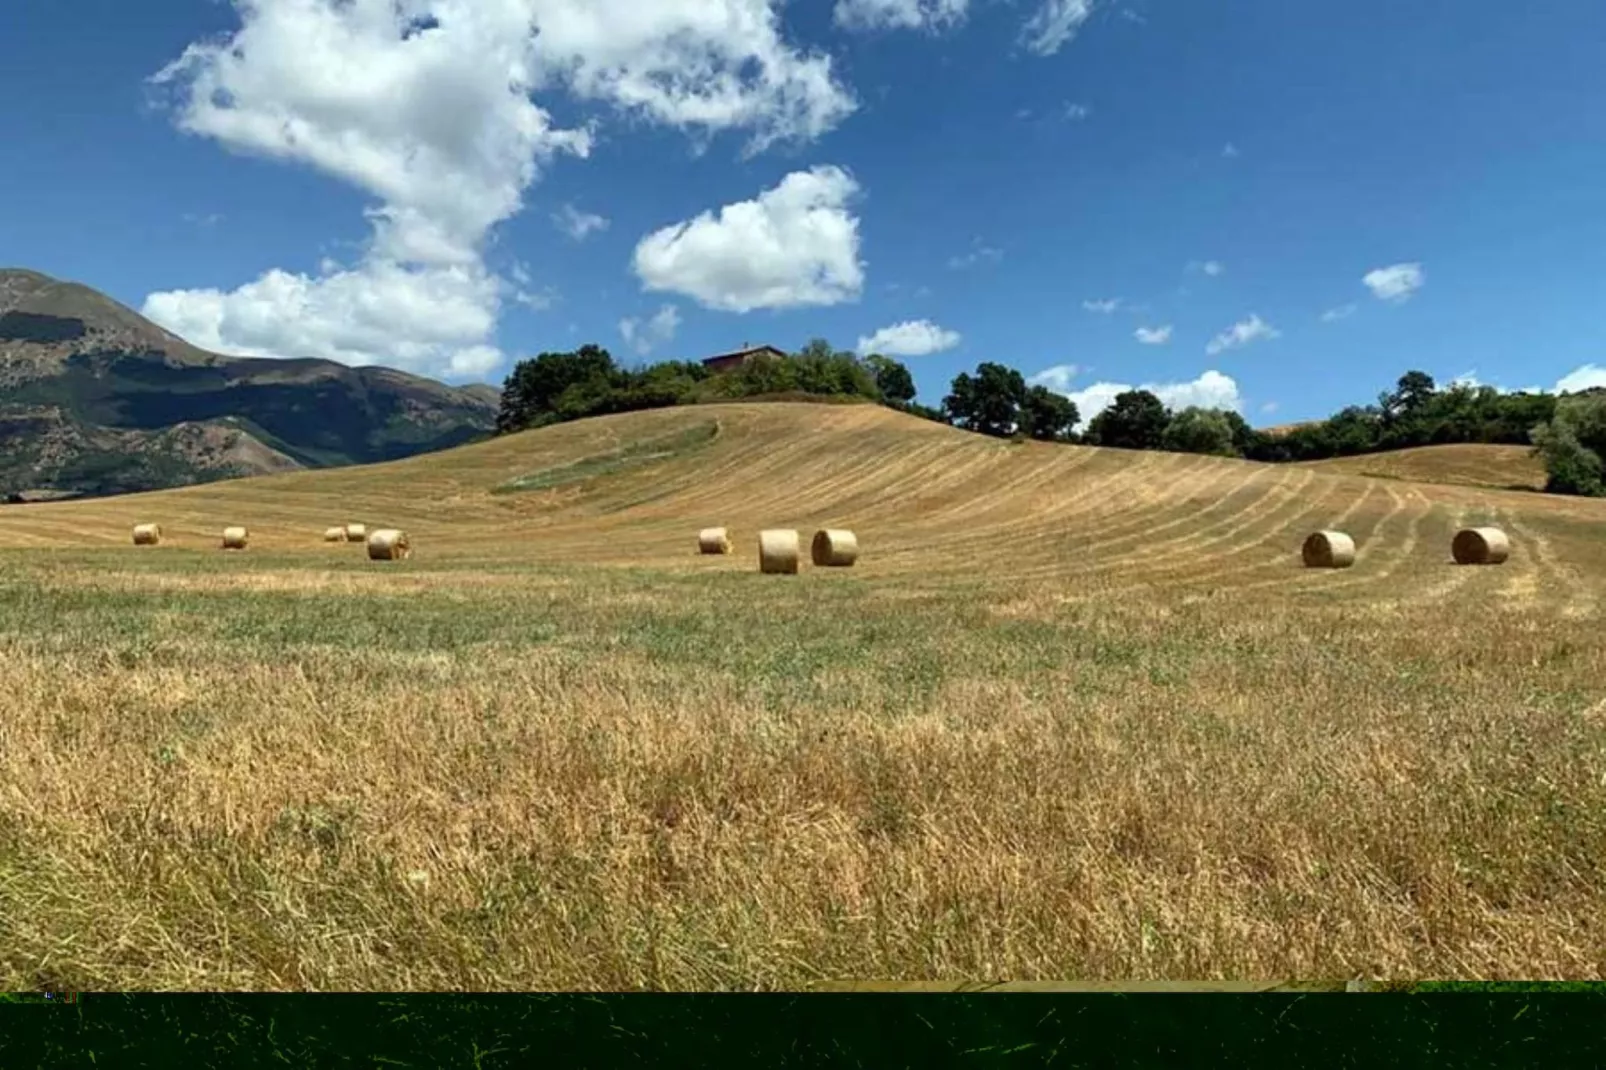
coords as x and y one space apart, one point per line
95 399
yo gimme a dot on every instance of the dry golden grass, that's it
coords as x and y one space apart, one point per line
1074 714
1467 464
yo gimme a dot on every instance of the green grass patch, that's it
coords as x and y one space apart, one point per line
633 455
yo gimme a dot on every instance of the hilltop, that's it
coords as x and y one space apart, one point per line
95 399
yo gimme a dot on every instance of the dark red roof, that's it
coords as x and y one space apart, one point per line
749 351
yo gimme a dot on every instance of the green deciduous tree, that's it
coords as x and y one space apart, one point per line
530 394
1197 430
1135 420
1245 439
1412 392
988 402
1573 445
1047 416
893 379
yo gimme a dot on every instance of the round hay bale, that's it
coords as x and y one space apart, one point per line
235 538
778 552
356 532
147 534
1328 549
388 544
1480 546
713 541
834 548
334 534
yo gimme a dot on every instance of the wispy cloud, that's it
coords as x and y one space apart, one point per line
1055 24
577 224
1076 112
539 300
1333 315
644 337
1230 151
1058 378
929 15
979 254
1104 306
526 293
1153 336
1253 329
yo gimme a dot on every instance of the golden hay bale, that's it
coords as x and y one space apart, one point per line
388 544
334 534
713 541
833 547
1328 549
235 538
778 552
356 532
1480 546
147 534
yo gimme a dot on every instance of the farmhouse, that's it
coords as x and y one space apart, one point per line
726 361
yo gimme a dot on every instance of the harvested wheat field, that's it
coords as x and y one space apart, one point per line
1074 714
1468 464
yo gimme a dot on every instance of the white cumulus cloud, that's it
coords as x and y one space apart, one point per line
794 245
1211 390
645 336
1395 283
1153 336
913 338
898 14
1583 378
423 319
430 108
1253 329
1054 24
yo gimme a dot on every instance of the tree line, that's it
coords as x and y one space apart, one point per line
1568 432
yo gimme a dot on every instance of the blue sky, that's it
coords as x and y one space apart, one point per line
1292 203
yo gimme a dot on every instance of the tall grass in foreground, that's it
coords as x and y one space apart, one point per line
323 778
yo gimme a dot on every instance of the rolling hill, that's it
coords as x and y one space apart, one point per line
1075 714
95 399
1465 464
936 501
